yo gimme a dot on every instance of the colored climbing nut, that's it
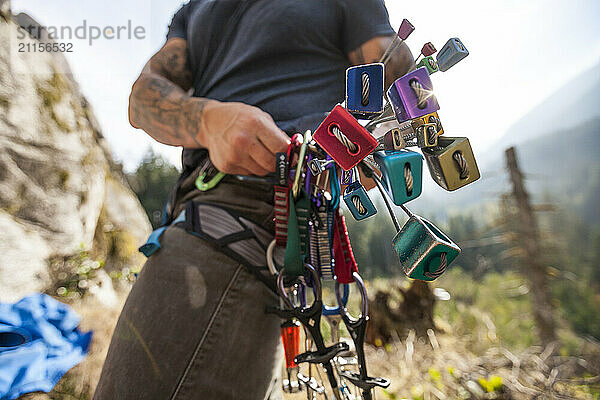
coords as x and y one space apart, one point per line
427 136
429 63
432 118
402 174
358 202
452 52
344 139
428 49
452 163
412 95
364 89
424 251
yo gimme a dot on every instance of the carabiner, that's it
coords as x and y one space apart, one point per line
334 310
357 328
311 318
303 147
205 186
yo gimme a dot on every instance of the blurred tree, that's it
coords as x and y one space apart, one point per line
152 181
529 244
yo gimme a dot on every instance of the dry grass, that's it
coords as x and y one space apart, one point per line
443 366
438 366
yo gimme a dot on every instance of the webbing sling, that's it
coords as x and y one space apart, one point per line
233 235
293 264
297 236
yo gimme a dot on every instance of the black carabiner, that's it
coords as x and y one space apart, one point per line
357 327
311 319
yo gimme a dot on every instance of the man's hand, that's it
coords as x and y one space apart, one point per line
241 139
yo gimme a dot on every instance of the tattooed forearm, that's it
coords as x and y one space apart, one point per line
155 106
159 103
194 110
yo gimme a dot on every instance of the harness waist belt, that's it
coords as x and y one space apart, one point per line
232 234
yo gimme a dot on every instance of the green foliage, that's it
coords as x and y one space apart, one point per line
153 181
389 395
490 251
417 393
579 304
72 276
573 254
499 302
63 178
435 375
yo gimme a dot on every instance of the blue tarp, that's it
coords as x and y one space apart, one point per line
39 342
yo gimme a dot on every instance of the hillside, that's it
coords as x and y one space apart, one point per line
573 104
566 165
557 145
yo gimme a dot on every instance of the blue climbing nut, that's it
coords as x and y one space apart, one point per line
364 89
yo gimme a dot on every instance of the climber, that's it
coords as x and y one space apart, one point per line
233 81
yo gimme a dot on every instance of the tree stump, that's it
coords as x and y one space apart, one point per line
415 312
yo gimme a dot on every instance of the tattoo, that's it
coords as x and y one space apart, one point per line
160 87
159 103
195 118
172 62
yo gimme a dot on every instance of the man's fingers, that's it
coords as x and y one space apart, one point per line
262 156
238 171
255 168
273 138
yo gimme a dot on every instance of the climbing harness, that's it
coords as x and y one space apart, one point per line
233 235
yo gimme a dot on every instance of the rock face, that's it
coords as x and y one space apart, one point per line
60 191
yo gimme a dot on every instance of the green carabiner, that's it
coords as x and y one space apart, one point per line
204 186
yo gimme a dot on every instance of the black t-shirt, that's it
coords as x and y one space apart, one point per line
287 57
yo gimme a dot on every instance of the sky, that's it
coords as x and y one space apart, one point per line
520 53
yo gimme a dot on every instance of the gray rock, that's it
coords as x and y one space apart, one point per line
5 7
57 177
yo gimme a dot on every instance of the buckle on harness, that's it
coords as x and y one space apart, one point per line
152 245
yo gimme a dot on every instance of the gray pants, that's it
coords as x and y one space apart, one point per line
194 325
